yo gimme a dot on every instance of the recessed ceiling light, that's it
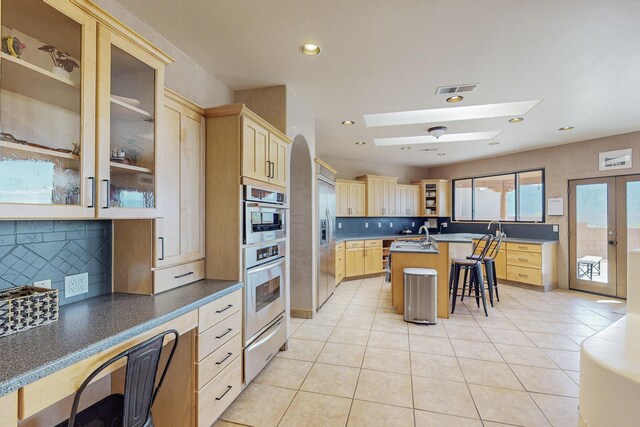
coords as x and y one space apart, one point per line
348 123
405 148
442 154
494 143
450 114
455 99
360 143
566 128
516 120
310 49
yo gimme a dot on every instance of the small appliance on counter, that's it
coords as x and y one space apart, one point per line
406 230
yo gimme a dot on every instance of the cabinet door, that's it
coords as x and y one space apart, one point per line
255 150
130 99
278 159
401 208
413 198
389 197
342 199
47 114
354 262
501 264
357 199
373 260
374 197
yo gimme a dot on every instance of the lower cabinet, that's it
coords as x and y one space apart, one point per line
219 357
340 262
363 257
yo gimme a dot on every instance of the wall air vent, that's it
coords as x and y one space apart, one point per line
448 90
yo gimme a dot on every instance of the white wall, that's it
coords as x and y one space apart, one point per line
351 168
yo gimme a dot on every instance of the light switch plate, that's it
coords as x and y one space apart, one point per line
445 224
379 225
77 284
413 224
43 284
390 225
556 228
339 225
366 225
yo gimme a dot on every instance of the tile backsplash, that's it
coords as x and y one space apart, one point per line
40 250
346 226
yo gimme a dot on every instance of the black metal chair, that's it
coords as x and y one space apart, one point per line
133 408
489 263
474 267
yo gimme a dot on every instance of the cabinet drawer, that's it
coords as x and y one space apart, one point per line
373 243
340 247
530 276
176 276
353 244
524 247
216 396
219 310
339 276
340 258
214 337
214 363
524 259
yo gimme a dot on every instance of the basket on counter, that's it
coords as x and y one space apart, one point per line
26 307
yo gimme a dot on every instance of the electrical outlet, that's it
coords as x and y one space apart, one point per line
339 225
413 224
77 284
366 225
379 225
556 228
43 284
445 224
390 225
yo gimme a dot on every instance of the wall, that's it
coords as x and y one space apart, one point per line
561 163
41 250
350 169
185 76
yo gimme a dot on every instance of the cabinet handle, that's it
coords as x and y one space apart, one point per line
272 170
268 169
179 276
225 392
107 193
522 247
161 248
523 275
93 192
224 358
225 333
522 259
224 309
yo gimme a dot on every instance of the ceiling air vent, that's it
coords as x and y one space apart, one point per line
429 149
447 90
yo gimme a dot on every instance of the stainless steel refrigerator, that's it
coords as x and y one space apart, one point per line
326 262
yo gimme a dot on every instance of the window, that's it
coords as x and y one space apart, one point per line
517 196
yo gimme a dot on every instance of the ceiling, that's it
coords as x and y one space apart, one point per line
581 58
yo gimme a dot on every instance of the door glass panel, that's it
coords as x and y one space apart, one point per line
495 197
40 76
463 199
132 154
591 232
267 293
633 216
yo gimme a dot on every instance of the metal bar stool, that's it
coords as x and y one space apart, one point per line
490 266
474 267
133 408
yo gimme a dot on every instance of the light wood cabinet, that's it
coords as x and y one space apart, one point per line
363 257
350 198
340 262
264 153
407 200
380 195
9 409
435 197
169 249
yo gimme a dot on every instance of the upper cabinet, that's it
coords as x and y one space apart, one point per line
47 101
129 107
408 200
350 198
380 195
79 103
435 197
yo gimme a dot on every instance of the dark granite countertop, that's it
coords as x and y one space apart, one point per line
88 327
447 237
344 238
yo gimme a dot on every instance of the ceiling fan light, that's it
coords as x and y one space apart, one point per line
437 131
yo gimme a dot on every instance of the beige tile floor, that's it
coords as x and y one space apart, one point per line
358 364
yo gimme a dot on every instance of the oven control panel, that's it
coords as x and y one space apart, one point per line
268 252
257 255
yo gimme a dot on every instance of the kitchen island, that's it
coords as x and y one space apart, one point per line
434 255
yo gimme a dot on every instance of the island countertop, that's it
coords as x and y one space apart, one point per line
447 237
88 327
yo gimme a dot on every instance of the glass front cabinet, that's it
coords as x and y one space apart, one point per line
78 113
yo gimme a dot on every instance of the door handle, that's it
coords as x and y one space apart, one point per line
93 192
612 242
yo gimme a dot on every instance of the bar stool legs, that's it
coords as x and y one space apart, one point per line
476 281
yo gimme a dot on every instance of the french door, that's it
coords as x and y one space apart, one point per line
604 225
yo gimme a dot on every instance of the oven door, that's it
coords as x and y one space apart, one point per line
263 223
264 296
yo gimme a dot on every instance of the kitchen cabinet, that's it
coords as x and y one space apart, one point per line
435 197
533 264
264 153
169 250
407 200
340 262
380 195
350 198
363 257
9 409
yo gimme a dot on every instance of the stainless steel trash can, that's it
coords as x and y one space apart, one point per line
420 295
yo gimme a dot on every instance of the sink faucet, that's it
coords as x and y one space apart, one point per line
426 232
499 230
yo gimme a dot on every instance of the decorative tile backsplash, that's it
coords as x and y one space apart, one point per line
346 226
40 250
